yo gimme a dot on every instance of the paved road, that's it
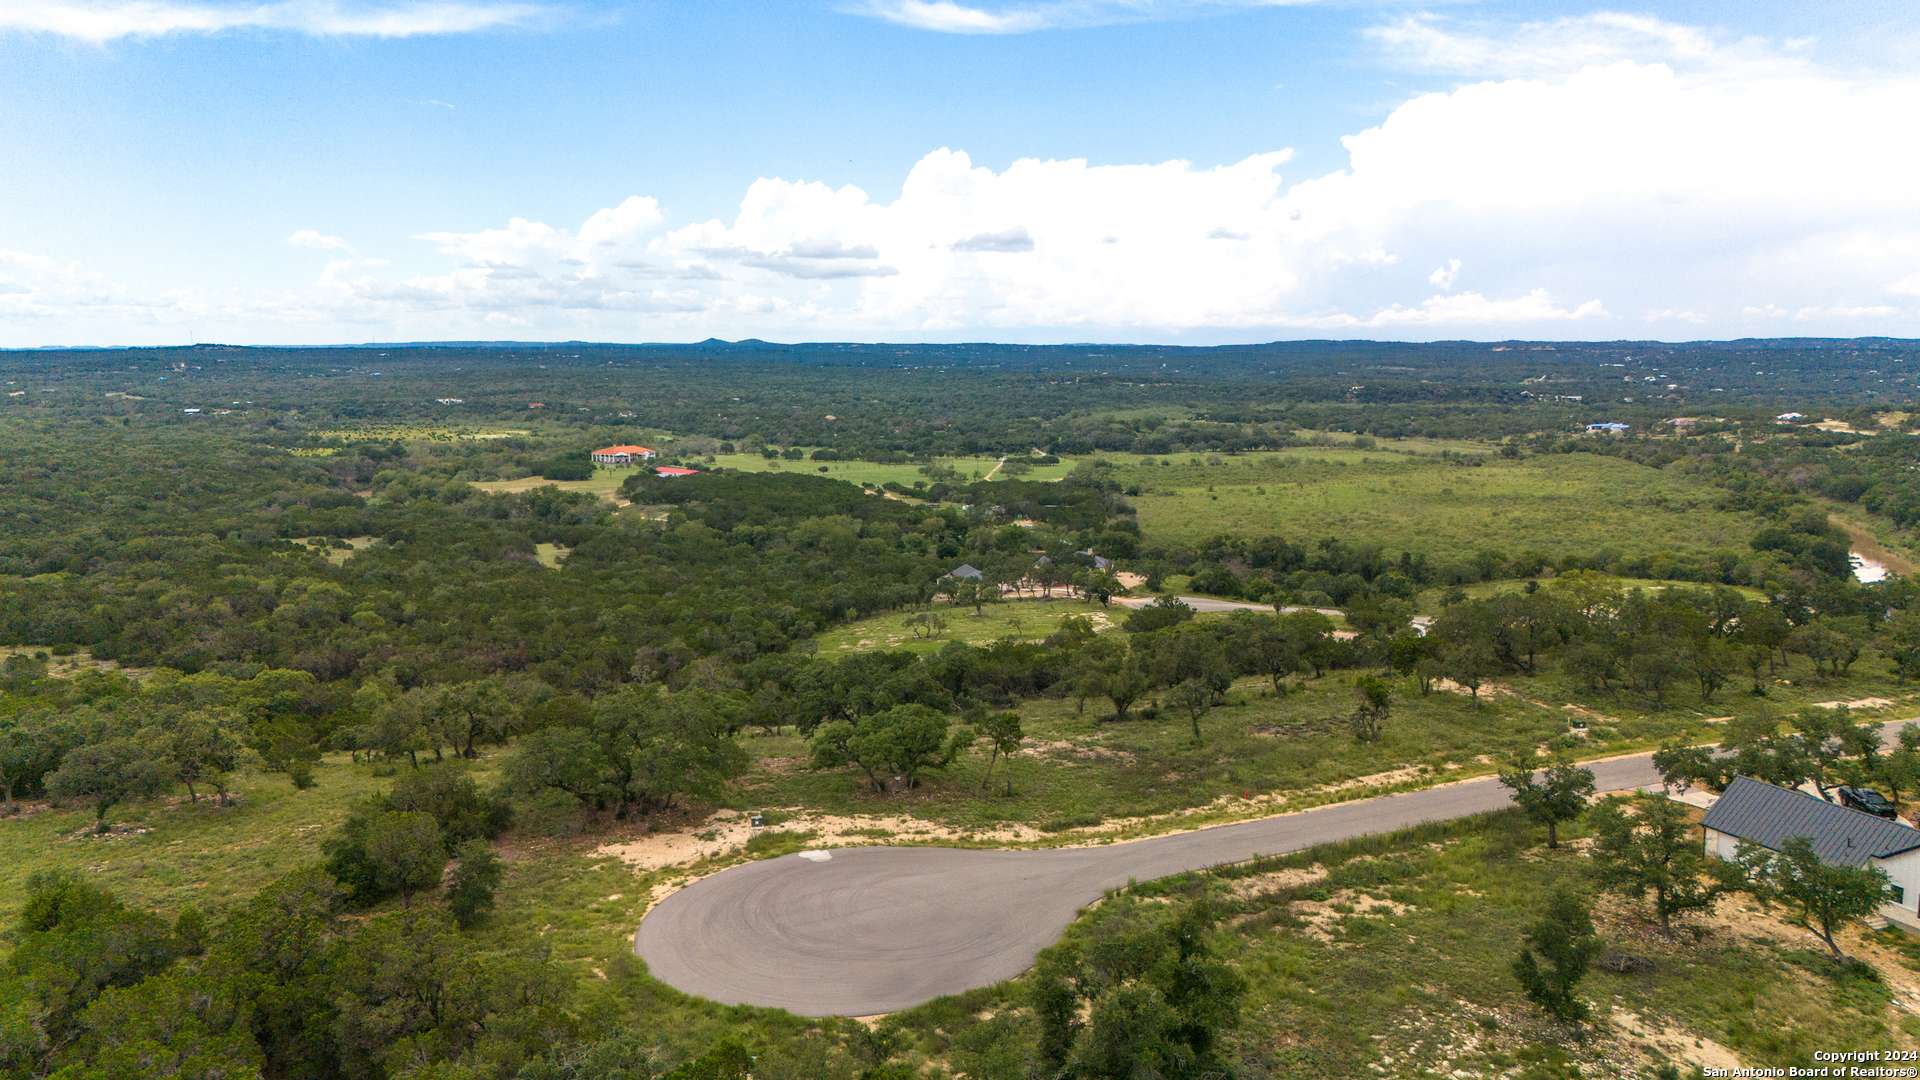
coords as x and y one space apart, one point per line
1208 603
876 929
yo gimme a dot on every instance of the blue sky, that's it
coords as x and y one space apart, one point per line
1147 170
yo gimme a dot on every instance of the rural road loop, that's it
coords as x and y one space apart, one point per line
877 929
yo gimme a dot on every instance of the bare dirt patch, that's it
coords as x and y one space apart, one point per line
1858 703
726 831
1392 777
1323 917
1487 689
1293 877
1674 1044
1065 748
1588 717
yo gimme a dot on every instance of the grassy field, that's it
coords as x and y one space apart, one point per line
1557 504
1431 600
605 482
873 472
1025 620
1262 753
171 853
551 555
337 551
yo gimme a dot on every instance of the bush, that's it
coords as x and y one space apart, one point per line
1162 613
447 794
1216 581
380 853
475 877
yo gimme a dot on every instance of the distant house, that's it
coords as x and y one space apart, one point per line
1752 812
966 572
621 455
1610 427
1100 562
1790 417
672 471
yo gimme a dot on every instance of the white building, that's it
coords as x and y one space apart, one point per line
1752 812
621 455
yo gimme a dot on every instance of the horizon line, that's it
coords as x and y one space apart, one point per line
714 342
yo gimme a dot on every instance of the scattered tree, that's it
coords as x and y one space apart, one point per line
1559 949
475 877
1824 895
1557 793
1654 852
108 773
1193 698
1003 735
1375 703
904 741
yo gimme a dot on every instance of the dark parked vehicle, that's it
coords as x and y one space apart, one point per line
1866 800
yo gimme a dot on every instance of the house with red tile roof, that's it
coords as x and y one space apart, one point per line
621 455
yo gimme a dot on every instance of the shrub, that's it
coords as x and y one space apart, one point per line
475 877
456 804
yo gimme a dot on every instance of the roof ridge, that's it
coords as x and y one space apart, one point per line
1755 810
1828 803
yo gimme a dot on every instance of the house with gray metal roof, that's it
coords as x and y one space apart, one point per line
967 572
1751 812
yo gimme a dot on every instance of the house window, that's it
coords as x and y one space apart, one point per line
1899 895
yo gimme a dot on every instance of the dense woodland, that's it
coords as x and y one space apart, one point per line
208 554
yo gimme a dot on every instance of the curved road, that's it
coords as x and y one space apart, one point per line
877 929
858 931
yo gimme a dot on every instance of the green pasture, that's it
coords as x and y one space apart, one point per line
1023 620
1553 504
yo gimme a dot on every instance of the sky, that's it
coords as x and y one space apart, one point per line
1183 171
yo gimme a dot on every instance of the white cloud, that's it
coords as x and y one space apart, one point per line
1845 312
1473 309
1017 239
956 17
1719 195
948 17
1559 46
101 21
318 241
